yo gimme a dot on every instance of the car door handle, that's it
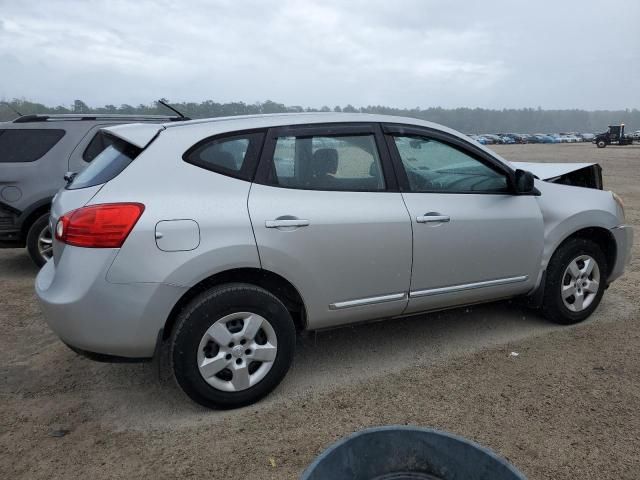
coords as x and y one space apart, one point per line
291 222
433 218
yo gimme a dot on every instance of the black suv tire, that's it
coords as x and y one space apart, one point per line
36 229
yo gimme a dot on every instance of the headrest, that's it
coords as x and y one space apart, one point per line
325 160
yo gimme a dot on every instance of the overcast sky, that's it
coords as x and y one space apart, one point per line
490 53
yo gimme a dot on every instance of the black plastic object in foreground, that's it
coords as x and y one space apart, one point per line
408 453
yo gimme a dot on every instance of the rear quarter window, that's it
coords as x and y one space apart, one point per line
28 144
107 165
234 155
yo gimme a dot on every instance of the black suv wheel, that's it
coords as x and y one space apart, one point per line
40 240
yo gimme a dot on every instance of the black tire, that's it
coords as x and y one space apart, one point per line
601 144
202 312
553 307
32 239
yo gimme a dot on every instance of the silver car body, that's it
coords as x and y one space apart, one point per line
363 255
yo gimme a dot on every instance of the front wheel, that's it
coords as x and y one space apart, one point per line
601 143
575 282
40 241
232 345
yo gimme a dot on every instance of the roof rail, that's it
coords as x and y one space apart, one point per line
95 116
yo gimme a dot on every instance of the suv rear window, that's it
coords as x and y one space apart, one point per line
98 143
28 144
107 165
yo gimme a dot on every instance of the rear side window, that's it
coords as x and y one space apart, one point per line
235 156
344 163
27 145
107 165
98 143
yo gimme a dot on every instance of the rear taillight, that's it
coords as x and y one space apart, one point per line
104 225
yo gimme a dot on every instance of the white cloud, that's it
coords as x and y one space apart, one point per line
404 53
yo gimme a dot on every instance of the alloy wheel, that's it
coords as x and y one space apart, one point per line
45 243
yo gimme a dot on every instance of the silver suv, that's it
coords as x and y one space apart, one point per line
224 237
35 153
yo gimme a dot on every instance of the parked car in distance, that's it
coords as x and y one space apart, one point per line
35 153
518 137
507 140
496 139
222 238
636 135
568 137
587 137
542 138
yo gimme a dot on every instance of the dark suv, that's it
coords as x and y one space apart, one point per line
35 153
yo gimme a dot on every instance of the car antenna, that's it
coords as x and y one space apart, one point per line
11 108
162 102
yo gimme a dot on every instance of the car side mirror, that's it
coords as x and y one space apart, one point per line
69 176
524 182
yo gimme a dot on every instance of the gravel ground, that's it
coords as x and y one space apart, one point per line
566 407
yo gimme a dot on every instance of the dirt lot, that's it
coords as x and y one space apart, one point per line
565 408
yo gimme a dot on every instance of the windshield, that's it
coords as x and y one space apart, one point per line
107 165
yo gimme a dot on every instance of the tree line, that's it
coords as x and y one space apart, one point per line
469 120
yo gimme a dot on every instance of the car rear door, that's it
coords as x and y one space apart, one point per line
328 216
473 239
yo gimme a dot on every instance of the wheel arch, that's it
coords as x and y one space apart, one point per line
277 285
602 237
33 213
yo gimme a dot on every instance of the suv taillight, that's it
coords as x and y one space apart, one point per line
104 225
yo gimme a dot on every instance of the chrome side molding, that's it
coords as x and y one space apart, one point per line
467 286
368 301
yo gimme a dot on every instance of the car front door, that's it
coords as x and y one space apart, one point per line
328 217
474 239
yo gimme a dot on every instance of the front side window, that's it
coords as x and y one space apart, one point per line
433 166
27 145
346 163
235 156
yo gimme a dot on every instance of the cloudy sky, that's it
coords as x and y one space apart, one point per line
490 53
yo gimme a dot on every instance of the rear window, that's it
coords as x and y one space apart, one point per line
28 144
107 165
98 143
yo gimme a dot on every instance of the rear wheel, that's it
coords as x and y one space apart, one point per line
575 282
40 241
232 346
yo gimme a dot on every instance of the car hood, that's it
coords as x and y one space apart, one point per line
549 171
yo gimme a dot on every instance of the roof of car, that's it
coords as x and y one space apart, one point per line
141 134
94 116
282 119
